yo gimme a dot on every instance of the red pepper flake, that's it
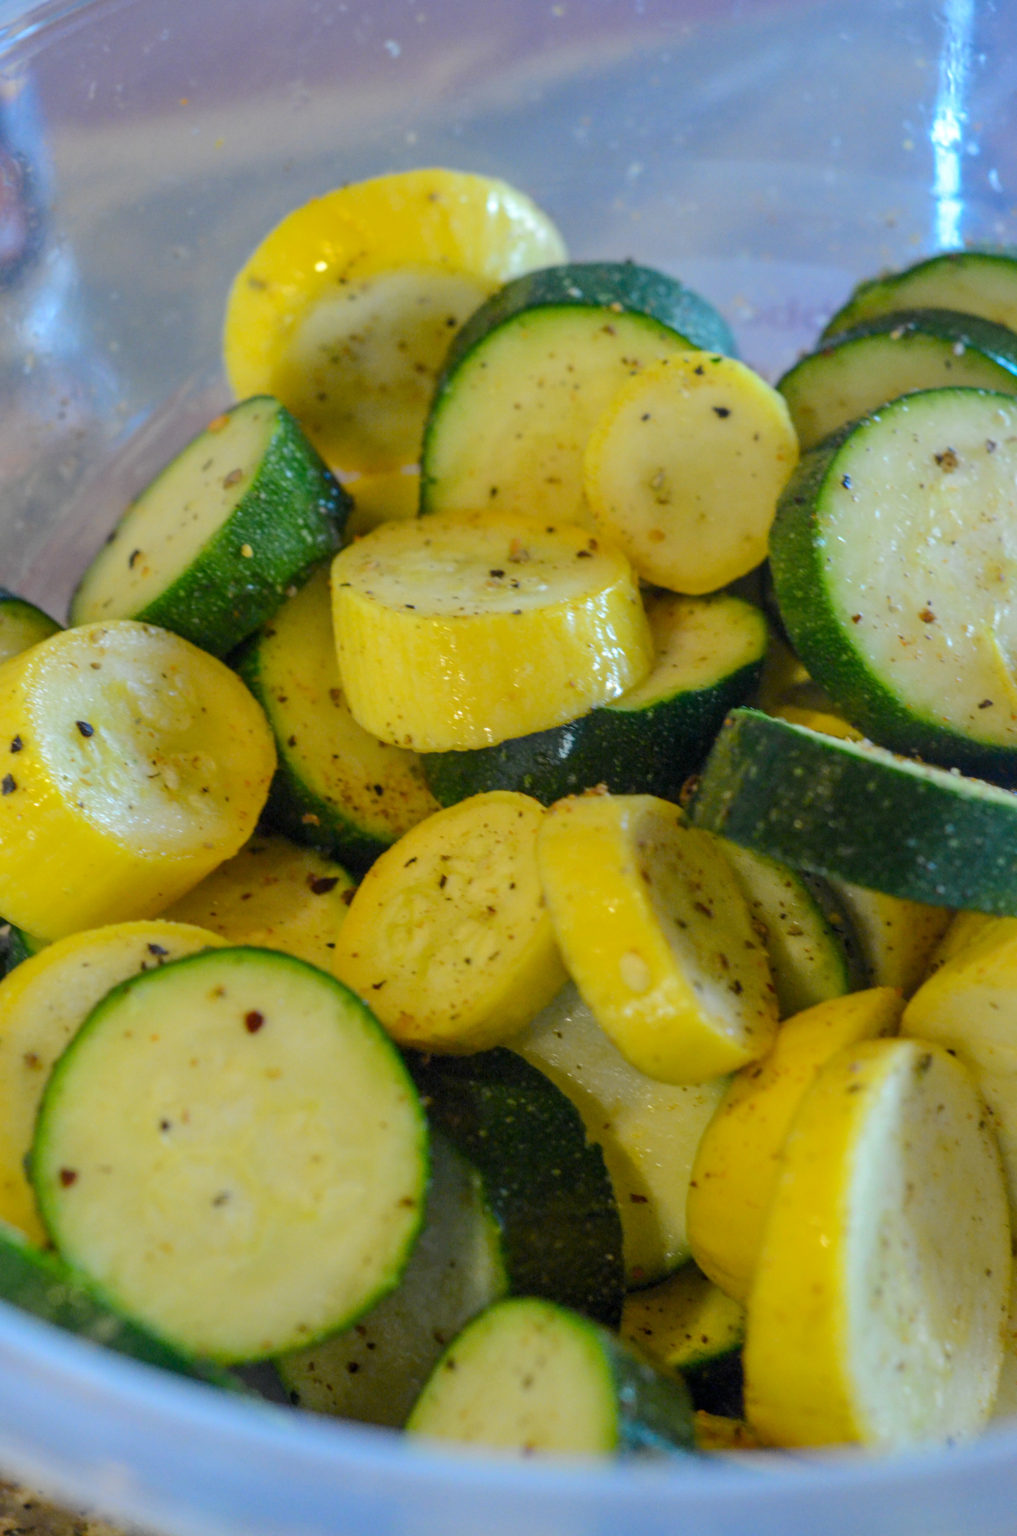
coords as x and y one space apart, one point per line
8 784
927 616
68 1176
253 1020
85 728
233 478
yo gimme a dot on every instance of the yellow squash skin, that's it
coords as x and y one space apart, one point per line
657 936
42 1004
447 937
461 630
345 309
738 1158
877 1310
133 763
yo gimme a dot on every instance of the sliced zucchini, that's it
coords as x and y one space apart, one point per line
896 939
688 1324
975 281
275 894
878 1305
893 566
18 946
533 370
232 524
546 1185
708 655
346 308
683 470
648 1131
536 1379
465 629
134 764
232 1150
42 1005
855 372
336 787
374 1371
854 811
21 624
448 934
657 936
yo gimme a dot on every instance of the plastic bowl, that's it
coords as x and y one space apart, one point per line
768 153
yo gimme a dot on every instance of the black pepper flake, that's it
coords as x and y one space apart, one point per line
722 411
985 704
85 728
845 481
17 744
253 1020
496 573
8 784
134 556
157 949
320 885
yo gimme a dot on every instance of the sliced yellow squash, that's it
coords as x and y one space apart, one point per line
133 763
346 308
42 1004
461 630
737 1162
877 1310
684 469
657 936
447 937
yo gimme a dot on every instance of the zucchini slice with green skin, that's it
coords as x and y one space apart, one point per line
533 370
975 281
688 1324
547 1187
374 1371
231 1148
19 945
857 812
21 624
212 546
859 370
533 1378
708 658
648 1131
336 787
894 570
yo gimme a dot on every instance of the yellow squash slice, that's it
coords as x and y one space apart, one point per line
877 1310
345 310
447 937
737 1161
461 630
133 764
684 469
42 1004
657 936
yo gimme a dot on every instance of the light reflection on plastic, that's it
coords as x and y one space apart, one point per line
950 115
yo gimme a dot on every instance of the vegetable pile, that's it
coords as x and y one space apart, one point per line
510 868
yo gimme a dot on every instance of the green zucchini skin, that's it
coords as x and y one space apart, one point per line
647 742
687 1324
21 624
980 280
855 812
290 516
19 945
39 1282
803 552
548 1188
856 371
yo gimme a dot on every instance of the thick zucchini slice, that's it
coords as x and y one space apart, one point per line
210 549
21 624
346 308
683 470
232 1149
857 812
374 1371
533 370
877 1310
708 655
448 934
857 371
545 1184
688 1324
336 787
464 629
534 1379
43 1003
134 764
648 1131
975 281
894 569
